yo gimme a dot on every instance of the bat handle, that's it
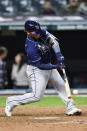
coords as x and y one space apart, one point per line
64 73
65 79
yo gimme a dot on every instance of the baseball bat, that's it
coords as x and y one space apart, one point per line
67 85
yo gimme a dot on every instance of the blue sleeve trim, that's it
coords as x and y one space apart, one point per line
37 60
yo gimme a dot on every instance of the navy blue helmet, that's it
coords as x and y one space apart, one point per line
32 26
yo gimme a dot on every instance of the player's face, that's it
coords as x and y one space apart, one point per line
36 36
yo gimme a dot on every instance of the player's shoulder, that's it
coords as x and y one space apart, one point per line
50 35
43 31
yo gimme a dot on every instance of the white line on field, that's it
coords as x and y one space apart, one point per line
44 118
60 122
65 122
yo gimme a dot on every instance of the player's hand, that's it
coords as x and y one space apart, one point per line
60 58
61 66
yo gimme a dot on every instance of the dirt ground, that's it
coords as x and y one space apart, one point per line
42 119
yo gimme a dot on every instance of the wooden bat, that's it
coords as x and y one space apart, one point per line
67 85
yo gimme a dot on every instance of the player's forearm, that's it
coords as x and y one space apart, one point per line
55 46
46 66
52 40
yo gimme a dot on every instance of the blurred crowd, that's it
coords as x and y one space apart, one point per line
43 7
17 75
71 7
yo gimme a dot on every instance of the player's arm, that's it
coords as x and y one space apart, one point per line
36 60
55 45
46 66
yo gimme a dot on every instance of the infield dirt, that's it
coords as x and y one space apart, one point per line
42 119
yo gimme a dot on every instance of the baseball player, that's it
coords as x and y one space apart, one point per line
38 47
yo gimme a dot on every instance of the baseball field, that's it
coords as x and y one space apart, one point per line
46 115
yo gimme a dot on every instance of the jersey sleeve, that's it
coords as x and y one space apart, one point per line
53 41
50 36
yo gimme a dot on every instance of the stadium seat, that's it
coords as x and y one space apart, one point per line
6 7
27 7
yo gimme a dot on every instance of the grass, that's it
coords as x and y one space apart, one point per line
52 101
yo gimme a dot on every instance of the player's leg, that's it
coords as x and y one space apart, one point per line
38 80
58 82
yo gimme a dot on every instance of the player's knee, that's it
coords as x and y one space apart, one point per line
39 98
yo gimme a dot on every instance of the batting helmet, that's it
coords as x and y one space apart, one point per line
33 27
